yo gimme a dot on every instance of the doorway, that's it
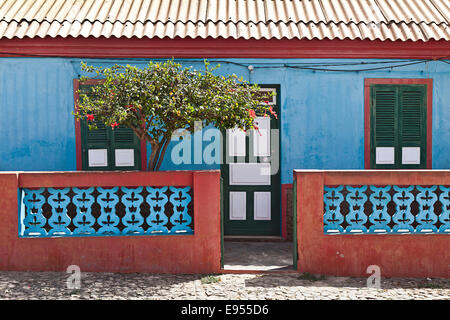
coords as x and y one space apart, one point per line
251 176
251 201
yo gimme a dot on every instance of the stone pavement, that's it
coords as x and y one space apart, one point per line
53 285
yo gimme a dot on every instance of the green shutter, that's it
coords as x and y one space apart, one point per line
95 139
384 124
111 140
412 124
124 138
398 120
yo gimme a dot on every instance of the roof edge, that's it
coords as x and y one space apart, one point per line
102 47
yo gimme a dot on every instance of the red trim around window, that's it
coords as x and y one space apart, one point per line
143 155
92 47
76 87
370 81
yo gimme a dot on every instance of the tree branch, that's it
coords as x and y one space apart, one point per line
161 156
151 160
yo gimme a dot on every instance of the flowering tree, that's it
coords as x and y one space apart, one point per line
162 97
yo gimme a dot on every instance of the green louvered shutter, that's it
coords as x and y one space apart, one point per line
96 147
383 126
412 126
398 126
126 149
107 149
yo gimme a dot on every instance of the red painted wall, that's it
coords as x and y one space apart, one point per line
198 253
350 255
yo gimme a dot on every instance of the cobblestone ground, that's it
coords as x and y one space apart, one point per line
53 285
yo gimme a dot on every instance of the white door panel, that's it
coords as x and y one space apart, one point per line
250 174
238 205
262 205
261 137
236 142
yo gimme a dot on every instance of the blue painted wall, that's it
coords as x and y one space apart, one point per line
322 113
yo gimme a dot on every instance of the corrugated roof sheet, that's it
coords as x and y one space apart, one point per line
259 19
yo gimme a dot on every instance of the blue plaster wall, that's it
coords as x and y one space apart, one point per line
322 113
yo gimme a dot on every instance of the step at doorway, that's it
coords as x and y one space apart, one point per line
240 255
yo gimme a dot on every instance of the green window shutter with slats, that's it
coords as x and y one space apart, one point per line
412 124
121 139
124 139
95 139
398 120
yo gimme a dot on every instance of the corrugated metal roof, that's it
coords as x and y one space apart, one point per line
260 19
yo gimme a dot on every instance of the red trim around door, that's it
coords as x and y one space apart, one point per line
370 81
76 87
285 188
92 47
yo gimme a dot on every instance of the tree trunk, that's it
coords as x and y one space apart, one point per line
161 156
151 160
157 154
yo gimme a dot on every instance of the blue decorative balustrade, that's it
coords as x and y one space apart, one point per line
112 211
386 209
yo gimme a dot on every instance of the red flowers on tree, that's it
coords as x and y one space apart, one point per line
131 107
271 110
157 100
273 113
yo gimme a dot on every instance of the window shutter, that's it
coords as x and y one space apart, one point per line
412 125
107 149
126 146
383 126
398 126
96 147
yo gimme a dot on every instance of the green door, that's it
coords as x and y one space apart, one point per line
251 177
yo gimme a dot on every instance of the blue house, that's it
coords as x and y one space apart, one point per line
358 85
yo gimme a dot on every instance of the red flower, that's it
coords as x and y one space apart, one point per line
257 129
130 106
266 102
113 125
90 117
273 113
252 113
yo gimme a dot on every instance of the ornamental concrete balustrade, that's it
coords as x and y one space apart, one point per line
166 222
397 220
97 211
